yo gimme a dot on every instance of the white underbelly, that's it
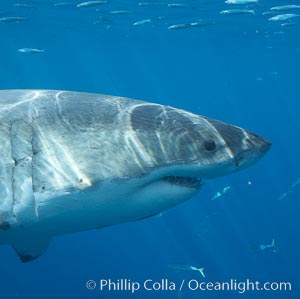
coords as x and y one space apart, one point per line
112 204
103 204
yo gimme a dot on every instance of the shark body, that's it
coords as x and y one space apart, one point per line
77 161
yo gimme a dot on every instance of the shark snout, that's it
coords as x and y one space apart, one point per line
258 144
253 149
242 148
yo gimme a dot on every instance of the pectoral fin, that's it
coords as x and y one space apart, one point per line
30 249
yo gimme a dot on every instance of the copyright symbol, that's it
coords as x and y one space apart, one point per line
91 285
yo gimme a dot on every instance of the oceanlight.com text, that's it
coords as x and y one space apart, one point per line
193 285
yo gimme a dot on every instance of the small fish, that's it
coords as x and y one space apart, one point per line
142 22
177 5
221 193
263 247
290 24
179 26
23 5
237 12
186 25
290 190
198 24
91 3
240 1
296 183
187 268
283 17
63 4
120 12
30 51
285 7
150 3
12 19
285 194
265 13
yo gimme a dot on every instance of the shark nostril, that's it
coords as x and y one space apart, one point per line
238 160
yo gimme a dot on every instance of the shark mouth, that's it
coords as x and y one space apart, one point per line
187 182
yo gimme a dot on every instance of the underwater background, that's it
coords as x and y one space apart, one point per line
240 67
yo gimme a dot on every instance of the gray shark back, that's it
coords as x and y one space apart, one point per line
74 138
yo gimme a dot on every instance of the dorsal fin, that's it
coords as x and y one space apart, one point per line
30 249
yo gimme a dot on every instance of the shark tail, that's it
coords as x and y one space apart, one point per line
273 243
201 270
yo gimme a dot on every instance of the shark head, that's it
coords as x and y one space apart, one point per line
208 148
187 148
243 147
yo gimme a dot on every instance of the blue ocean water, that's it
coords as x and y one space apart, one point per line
242 69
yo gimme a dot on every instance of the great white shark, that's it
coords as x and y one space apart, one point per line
75 161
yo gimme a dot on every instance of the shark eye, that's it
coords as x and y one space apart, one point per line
210 145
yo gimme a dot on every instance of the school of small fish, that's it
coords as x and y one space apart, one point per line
173 16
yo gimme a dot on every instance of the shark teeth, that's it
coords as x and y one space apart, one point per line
188 182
